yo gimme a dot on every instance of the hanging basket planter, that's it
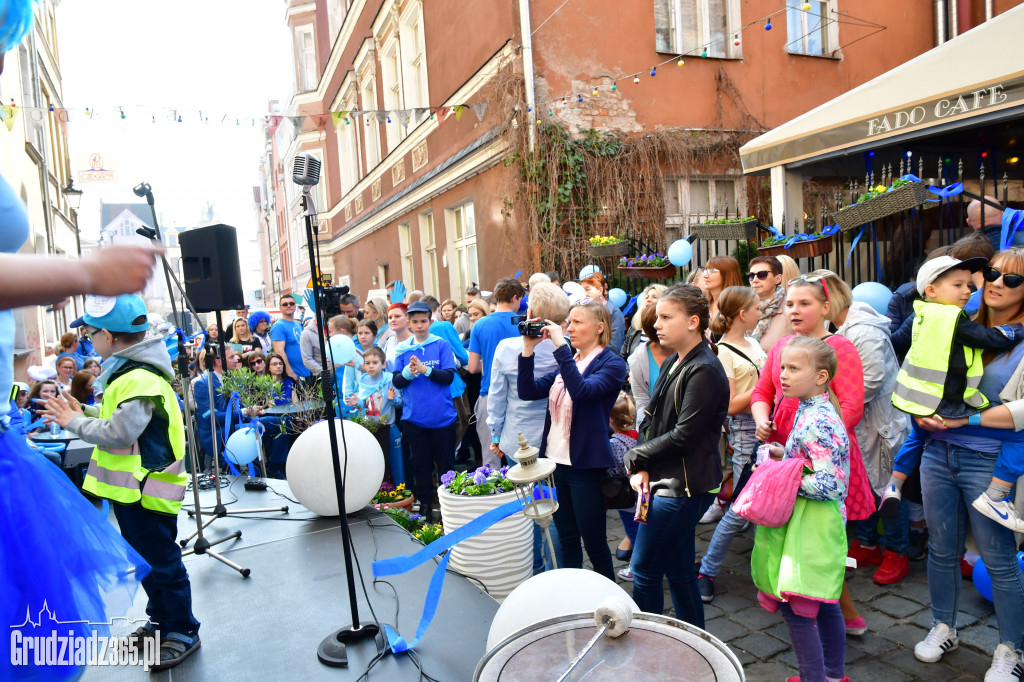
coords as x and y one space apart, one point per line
663 272
809 248
742 230
616 250
903 198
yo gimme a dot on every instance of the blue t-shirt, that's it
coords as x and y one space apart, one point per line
487 334
289 332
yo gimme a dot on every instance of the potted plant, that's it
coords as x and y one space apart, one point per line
501 557
378 427
650 266
416 524
390 496
881 201
737 228
254 390
607 247
817 244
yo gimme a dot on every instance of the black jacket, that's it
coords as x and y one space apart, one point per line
683 426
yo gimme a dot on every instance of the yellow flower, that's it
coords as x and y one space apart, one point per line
880 188
391 494
400 487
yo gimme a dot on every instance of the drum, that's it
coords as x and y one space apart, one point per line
654 648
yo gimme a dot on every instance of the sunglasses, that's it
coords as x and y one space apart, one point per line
812 279
711 271
762 275
1011 279
257 361
287 305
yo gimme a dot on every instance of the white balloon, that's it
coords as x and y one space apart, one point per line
552 594
311 472
572 288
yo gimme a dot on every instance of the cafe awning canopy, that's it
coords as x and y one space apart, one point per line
976 78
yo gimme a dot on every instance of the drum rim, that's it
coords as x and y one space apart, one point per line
638 616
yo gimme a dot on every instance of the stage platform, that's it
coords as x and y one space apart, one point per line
268 626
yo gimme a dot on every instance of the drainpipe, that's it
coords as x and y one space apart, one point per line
940 22
527 49
954 20
989 10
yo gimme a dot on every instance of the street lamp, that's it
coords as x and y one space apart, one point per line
263 293
74 199
280 283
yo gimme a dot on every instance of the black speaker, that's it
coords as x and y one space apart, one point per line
209 263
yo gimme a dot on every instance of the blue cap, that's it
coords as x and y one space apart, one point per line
115 314
419 307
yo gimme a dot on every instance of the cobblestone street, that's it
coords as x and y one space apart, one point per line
898 616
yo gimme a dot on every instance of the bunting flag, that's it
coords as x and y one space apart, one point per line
458 109
479 108
63 117
273 123
381 116
8 113
404 115
442 114
297 121
338 116
321 121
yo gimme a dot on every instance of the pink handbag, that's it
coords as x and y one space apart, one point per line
768 497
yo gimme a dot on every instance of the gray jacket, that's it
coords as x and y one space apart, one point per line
309 347
640 379
883 428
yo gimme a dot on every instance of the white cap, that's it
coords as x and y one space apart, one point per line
937 267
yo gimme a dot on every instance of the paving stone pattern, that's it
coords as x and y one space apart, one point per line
898 616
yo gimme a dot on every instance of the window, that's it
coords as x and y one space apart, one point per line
429 243
688 27
306 51
348 152
463 226
408 261
391 82
372 137
810 33
414 59
690 200
337 9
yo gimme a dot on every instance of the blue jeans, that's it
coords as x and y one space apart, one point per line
629 524
664 548
580 516
728 527
744 444
896 532
170 593
951 478
431 449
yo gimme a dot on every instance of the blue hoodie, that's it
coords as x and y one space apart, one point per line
426 399
378 390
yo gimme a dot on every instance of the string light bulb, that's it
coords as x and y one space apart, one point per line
614 87
529 109
594 93
87 112
654 71
736 39
51 107
704 53
768 25
579 98
636 80
680 62
389 119
179 119
122 114
551 112
806 7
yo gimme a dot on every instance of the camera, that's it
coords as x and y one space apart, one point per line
527 328
332 300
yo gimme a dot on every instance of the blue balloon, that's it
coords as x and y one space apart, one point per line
982 580
589 270
341 350
874 294
241 448
680 253
618 297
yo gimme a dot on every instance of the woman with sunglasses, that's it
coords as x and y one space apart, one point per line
257 362
956 468
808 306
765 279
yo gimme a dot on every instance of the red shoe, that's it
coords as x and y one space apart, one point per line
865 556
895 567
966 570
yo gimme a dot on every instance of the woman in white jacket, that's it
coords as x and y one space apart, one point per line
881 431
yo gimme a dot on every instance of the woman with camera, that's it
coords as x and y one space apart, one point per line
581 394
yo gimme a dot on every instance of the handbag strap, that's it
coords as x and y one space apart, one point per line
740 353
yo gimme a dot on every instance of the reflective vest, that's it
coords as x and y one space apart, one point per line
117 473
922 378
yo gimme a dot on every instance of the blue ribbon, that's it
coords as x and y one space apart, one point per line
629 306
1013 220
232 407
404 564
946 192
830 230
775 232
519 273
853 246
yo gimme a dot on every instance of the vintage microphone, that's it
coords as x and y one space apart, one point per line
306 173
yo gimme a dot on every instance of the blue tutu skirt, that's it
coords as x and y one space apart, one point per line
63 567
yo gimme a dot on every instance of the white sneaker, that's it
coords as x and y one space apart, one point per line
938 641
715 512
1006 665
1002 512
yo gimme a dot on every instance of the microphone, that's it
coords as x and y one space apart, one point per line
306 169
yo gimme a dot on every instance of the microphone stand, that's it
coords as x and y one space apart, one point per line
202 545
331 651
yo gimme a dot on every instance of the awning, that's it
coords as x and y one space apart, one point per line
978 75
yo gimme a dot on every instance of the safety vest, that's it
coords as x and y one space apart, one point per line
117 473
922 378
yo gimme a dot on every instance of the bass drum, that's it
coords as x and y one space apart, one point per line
654 648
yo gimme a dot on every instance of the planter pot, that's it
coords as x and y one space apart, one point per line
742 231
405 504
664 272
903 198
608 250
501 557
805 249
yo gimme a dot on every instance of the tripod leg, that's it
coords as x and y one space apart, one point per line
193 535
228 562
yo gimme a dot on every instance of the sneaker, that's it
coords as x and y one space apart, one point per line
856 626
939 640
1002 512
706 587
865 556
626 573
889 506
917 549
1006 665
175 648
136 639
714 512
895 567
415 508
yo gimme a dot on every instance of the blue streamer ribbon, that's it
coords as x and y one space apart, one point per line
1013 220
853 246
775 232
232 407
946 192
629 306
404 564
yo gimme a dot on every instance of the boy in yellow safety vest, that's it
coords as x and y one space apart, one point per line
940 377
138 461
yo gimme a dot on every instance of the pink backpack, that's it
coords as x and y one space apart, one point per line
768 497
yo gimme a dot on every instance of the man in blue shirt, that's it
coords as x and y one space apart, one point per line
284 336
483 341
